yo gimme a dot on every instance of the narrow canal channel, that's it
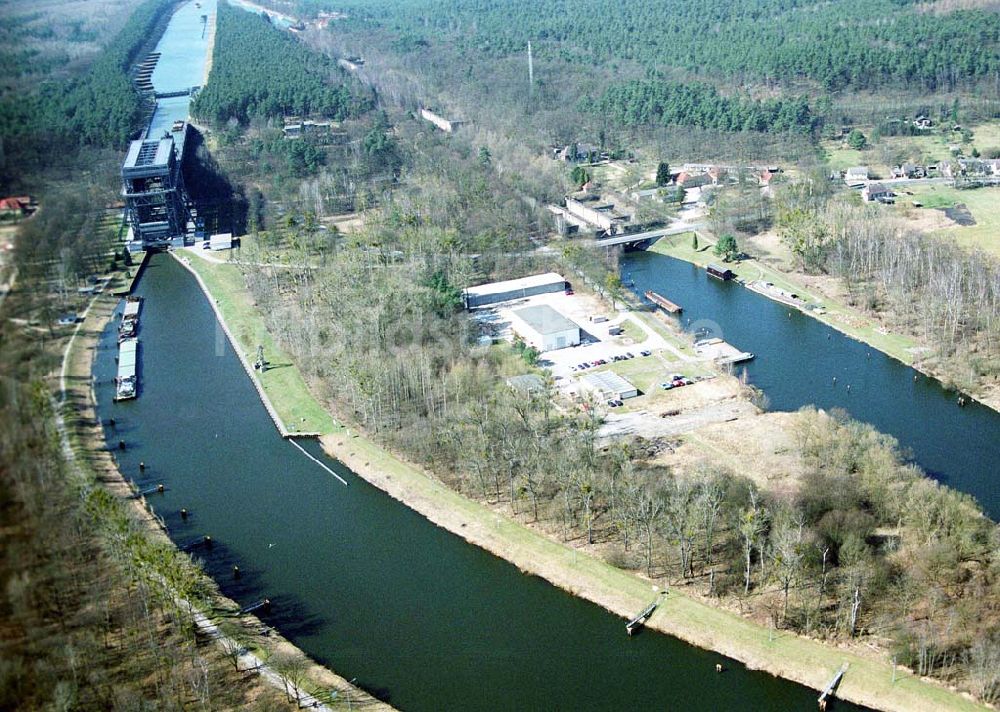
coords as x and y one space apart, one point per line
798 359
359 581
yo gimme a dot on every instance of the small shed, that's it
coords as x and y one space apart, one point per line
529 383
222 241
610 385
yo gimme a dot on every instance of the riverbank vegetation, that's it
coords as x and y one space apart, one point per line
93 605
287 80
947 296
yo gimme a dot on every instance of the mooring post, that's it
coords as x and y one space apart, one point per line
184 514
160 488
236 571
142 466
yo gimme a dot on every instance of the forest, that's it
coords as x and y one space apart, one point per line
98 107
853 44
287 80
693 104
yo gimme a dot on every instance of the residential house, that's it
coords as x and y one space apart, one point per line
15 206
877 193
908 170
692 180
856 175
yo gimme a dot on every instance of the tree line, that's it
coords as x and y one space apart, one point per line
946 295
856 45
286 78
636 103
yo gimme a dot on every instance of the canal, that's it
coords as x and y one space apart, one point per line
359 581
798 359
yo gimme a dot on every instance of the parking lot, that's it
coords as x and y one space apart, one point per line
639 353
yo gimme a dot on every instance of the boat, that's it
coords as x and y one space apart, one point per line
130 318
664 303
127 380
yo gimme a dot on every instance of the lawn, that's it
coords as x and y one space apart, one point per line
282 382
983 203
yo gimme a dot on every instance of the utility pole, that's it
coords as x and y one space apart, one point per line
531 72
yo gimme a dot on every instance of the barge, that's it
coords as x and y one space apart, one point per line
130 318
127 380
663 302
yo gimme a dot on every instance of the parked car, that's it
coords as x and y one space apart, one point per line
645 353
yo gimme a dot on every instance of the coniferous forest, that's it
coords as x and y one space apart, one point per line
286 79
853 44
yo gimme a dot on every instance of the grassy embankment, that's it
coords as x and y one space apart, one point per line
791 656
840 316
283 381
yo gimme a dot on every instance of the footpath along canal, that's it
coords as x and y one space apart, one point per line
359 581
801 361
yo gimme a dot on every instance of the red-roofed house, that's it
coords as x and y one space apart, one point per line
15 206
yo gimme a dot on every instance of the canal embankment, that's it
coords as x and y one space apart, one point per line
280 386
534 552
85 445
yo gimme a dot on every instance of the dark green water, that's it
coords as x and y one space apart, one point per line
359 581
798 358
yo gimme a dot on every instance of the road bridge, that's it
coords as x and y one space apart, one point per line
650 236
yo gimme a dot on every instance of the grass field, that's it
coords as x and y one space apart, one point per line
283 381
932 148
840 316
983 203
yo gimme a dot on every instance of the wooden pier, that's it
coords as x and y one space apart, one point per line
640 620
664 303
831 686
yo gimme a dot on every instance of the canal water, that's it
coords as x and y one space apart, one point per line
359 581
798 358
183 52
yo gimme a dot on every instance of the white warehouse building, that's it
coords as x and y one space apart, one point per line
496 292
544 328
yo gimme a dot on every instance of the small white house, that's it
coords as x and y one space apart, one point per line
544 328
856 175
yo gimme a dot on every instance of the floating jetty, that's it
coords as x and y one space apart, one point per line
721 352
127 380
662 302
776 293
640 620
831 686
